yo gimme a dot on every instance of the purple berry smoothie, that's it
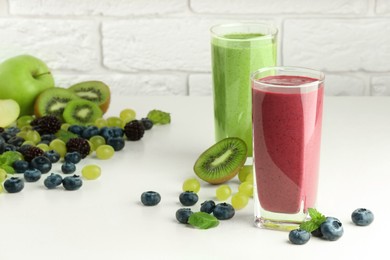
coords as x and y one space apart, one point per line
287 137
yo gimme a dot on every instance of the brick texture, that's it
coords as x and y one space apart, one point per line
153 47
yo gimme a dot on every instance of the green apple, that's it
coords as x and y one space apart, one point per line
22 78
9 112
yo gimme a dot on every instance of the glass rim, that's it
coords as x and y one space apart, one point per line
320 76
273 28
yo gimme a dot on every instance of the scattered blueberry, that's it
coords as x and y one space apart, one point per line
90 131
118 143
20 166
117 131
32 175
10 147
317 233
150 198
207 206
47 138
107 132
331 229
223 211
299 236
362 217
183 214
2 144
52 181
72 182
188 198
53 156
73 157
41 163
16 141
148 124
76 129
13 185
68 167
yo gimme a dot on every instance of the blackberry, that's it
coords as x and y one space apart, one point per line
31 152
78 144
46 125
134 130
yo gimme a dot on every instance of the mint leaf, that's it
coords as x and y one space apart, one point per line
315 222
203 220
159 117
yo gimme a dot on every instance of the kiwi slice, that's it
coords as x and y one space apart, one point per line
52 101
94 91
222 161
81 112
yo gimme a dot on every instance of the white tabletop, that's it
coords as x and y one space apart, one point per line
105 219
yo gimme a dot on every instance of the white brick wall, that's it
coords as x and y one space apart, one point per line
154 47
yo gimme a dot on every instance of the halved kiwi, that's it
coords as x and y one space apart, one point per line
94 91
52 101
81 112
222 161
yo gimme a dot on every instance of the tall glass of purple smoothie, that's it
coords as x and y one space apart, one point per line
287 120
238 50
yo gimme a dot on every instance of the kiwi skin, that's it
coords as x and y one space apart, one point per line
101 93
213 168
71 117
60 96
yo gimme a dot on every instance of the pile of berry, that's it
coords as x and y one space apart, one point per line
35 144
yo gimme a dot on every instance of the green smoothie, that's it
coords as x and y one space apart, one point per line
234 58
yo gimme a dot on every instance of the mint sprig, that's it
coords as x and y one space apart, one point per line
316 219
202 220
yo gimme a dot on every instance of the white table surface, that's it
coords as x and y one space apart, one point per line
105 219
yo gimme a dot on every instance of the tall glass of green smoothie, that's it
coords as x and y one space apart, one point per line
238 50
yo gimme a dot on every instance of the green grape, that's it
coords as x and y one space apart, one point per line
105 152
22 133
191 184
114 121
97 141
100 122
28 143
246 188
223 192
59 146
91 172
65 126
244 171
159 117
24 121
3 175
33 136
127 115
249 178
1 188
239 200
43 146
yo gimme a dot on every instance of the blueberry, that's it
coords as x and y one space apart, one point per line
41 163
32 175
10 147
207 206
73 157
6 136
362 217
2 145
117 131
223 211
183 214
20 166
76 129
52 181
90 131
299 236
16 141
150 198
72 182
317 233
148 124
12 130
331 229
188 198
47 138
13 185
52 155
118 143
107 132
68 167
